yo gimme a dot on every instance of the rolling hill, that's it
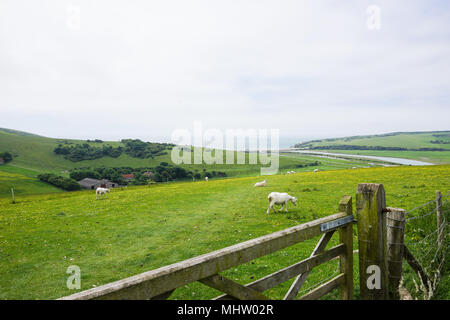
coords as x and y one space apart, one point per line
432 146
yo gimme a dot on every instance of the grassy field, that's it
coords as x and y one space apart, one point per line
142 228
34 155
411 140
22 185
436 157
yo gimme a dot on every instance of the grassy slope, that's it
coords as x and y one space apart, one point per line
22 184
405 140
143 228
34 154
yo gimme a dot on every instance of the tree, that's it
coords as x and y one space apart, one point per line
7 157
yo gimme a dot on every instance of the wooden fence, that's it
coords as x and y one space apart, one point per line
160 283
381 252
381 233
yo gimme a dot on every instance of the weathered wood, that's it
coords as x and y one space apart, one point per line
346 260
415 265
287 273
155 282
324 288
163 296
395 237
232 288
300 280
439 220
12 194
370 204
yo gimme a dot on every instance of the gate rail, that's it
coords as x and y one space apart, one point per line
160 283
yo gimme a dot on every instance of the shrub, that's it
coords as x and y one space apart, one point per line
60 182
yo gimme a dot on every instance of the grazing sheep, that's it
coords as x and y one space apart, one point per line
101 191
316 170
280 199
353 167
206 179
261 184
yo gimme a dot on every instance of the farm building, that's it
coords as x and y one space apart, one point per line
128 177
89 183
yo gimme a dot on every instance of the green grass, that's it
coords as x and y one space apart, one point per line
142 228
22 185
436 157
413 140
406 140
34 154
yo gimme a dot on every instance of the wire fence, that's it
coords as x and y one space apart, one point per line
422 239
429 244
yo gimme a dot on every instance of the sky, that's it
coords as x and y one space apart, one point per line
112 69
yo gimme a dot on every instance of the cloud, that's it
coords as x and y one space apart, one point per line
143 69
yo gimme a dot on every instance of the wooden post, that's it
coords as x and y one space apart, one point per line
12 194
395 241
346 260
373 266
439 220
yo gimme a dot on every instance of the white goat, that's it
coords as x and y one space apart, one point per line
261 184
206 179
280 199
101 191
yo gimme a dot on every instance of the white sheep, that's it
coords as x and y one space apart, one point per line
261 184
206 179
316 170
101 191
280 199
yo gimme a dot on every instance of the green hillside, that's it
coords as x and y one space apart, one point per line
36 153
142 228
433 146
33 154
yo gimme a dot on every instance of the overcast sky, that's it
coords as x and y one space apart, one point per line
141 69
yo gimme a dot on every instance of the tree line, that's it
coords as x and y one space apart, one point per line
163 172
133 147
379 148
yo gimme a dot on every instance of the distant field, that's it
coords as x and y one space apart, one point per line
405 140
413 140
34 155
436 157
142 228
22 185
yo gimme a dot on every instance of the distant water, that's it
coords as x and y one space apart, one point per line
386 159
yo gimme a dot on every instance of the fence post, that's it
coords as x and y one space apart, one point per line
395 240
373 268
12 194
346 260
439 220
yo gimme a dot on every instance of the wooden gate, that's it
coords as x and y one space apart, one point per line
161 283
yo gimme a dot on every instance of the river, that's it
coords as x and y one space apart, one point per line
358 156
